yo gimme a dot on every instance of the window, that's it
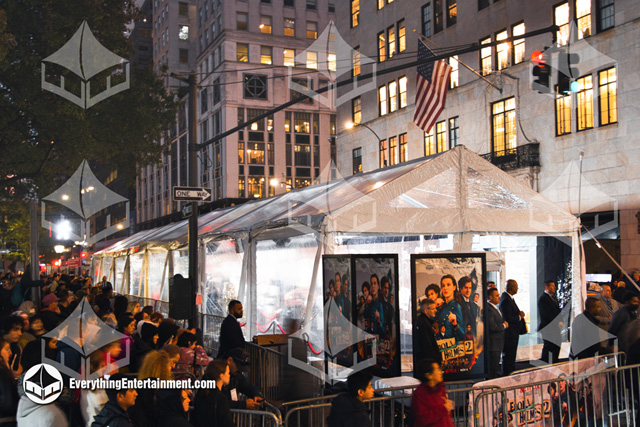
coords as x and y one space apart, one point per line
255 153
307 84
216 91
563 114
289 58
504 127
312 30
255 86
518 45
393 96
331 61
606 14
213 30
356 111
184 56
383 153
355 61
426 20
393 150
453 79
382 48
355 13
302 155
265 55
430 143
402 37
242 21
183 32
255 186
252 113
584 102
437 15
312 4
403 148
452 12
483 4
380 4
382 100
583 18
331 7
289 27
242 52
240 152
312 60
204 105
302 122
441 136
561 19
402 83
391 36
357 160
485 57
454 132
265 24
183 9
608 96
502 51
289 3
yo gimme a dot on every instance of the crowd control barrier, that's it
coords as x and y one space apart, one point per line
269 417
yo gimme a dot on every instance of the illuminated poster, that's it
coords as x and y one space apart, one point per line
376 308
456 284
337 295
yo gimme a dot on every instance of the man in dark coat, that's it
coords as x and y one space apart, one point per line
348 409
586 335
495 328
231 335
238 360
424 338
623 317
114 412
549 324
469 309
515 318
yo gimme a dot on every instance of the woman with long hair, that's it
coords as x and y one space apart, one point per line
8 388
213 405
450 315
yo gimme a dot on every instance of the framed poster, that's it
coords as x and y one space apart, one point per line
455 282
375 279
338 308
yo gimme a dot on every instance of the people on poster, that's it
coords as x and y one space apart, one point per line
376 312
469 309
433 293
450 316
346 301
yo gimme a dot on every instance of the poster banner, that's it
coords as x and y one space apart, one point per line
455 282
377 313
569 395
337 300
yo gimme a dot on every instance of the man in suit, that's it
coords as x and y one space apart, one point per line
424 338
469 309
549 324
495 327
515 318
231 335
608 307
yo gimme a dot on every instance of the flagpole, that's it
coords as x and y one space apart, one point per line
465 65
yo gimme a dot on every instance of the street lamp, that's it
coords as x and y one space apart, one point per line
351 125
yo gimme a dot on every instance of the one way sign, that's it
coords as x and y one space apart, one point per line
191 194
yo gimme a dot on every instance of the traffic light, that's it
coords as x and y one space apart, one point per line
567 73
541 71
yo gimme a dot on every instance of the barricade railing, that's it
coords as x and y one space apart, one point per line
158 305
270 417
267 368
607 397
210 324
619 359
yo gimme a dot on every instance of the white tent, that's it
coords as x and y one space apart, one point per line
273 246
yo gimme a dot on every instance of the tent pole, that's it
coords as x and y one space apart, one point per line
252 288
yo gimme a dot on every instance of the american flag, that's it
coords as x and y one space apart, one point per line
432 84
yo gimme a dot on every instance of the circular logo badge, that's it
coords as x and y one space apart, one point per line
42 384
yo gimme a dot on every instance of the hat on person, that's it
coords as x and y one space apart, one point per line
240 356
28 307
48 299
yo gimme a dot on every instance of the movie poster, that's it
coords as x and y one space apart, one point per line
376 310
456 284
336 292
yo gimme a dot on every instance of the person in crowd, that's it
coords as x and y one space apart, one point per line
8 387
174 354
491 284
619 291
608 306
50 313
496 326
450 316
430 404
193 358
64 303
120 305
146 343
126 326
12 326
213 405
549 323
36 327
141 317
238 360
156 364
173 407
111 353
623 317
348 408
469 309
586 335
7 284
148 309
629 286
424 339
156 318
433 293
114 413
231 335
133 307
92 401
515 318
167 333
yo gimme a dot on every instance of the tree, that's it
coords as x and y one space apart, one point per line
44 137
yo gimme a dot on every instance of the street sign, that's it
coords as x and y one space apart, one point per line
74 262
191 194
186 210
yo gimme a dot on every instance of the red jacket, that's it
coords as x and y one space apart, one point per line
427 406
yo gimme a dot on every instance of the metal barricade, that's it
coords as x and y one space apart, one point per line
270 417
267 367
158 305
210 324
603 398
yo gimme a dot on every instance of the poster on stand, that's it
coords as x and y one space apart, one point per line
338 308
455 282
375 279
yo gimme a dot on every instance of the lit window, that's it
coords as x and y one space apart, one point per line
606 14
504 127
518 45
452 15
255 187
584 102
403 148
289 58
289 27
402 37
356 111
355 59
485 57
355 12
608 96
255 153
393 151
380 4
429 143
265 55
242 20
240 152
453 79
331 61
242 52
402 82
312 30
502 51
357 160
382 48
183 32
393 97
563 114
438 24
561 19
441 136
265 24
583 16
312 60
382 100
454 132
391 36
383 153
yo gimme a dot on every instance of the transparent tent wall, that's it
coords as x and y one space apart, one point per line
156 270
181 262
105 268
119 282
223 269
135 273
